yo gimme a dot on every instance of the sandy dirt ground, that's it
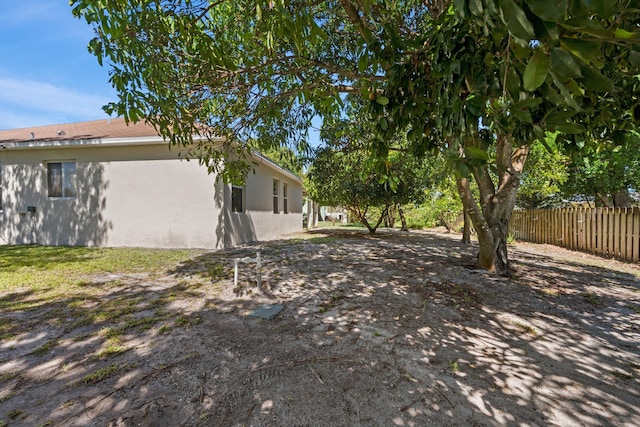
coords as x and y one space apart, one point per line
388 330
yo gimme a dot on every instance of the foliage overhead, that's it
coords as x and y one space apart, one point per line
436 70
605 172
248 68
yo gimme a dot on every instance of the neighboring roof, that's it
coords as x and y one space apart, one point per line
96 129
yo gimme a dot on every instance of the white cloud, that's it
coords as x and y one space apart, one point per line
35 99
16 14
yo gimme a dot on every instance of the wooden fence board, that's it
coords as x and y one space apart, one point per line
609 232
636 235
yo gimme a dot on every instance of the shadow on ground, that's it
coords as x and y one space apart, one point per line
376 330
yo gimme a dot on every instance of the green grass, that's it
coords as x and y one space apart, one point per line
102 374
65 286
38 268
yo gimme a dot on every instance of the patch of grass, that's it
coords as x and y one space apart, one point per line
591 298
164 329
15 413
8 376
454 366
57 269
185 321
112 347
550 292
524 327
8 329
45 348
101 374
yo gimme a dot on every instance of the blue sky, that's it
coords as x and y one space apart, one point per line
47 76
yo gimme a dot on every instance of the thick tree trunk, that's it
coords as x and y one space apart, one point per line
491 218
403 220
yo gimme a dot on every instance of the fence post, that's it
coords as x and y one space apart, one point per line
636 235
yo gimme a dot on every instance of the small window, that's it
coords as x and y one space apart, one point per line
285 206
237 199
276 203
61 179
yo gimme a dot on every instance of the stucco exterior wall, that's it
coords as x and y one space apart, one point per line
259 222
136 195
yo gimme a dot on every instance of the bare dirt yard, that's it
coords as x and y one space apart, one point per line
388 330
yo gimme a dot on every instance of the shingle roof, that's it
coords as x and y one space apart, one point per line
95 129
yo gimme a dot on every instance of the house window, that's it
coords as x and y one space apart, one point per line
237 199
276 204
61 179
285 206
1 183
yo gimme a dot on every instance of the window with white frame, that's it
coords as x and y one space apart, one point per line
61 179
276 196
237 199
285 206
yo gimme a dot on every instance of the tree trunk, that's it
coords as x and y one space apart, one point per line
466 229
444 221
491 218
403 220
362 217
621 199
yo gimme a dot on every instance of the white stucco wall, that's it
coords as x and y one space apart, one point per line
259 217
137 195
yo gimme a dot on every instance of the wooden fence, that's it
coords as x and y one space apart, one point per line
609 232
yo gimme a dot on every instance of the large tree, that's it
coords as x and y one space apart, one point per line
436 69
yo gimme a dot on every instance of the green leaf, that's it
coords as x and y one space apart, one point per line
595 81
459 6
522 115
475 7
626 35
382 100
604 8
512 82
384 123
549 10
476 153
536 71
462 168
528 103
516 20
567 128
559 117
564 63
587 51
568 99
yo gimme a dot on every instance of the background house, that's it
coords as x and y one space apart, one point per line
103 183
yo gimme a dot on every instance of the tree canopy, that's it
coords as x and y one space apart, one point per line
436 70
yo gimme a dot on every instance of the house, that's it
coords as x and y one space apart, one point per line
106 183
